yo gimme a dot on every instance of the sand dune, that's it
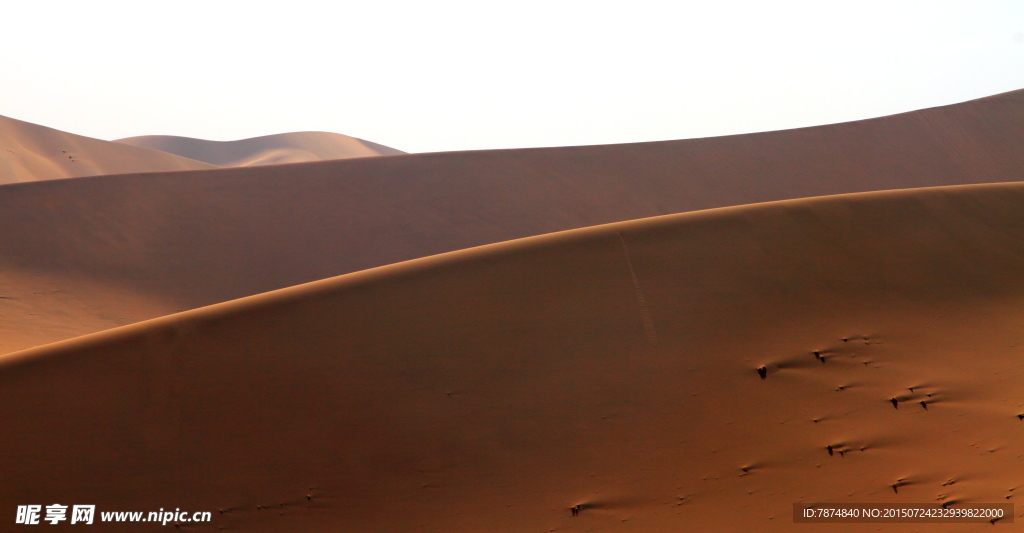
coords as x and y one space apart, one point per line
29 152
612 367
269 150
176 241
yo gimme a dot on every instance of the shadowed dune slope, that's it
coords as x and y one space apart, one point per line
612 367
174 241
295 147
29 152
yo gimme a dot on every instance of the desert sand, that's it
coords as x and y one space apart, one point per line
29 152
482 341
165 242
278 149
614 368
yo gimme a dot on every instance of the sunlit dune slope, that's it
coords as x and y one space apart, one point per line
173 241
612 367
29 152
269 150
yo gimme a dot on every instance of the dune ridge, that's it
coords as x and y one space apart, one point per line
267 150
29 152
188 239
494 388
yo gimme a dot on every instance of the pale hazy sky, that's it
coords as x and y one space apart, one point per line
448 75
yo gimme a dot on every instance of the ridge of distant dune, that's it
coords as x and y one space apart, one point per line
170 241
282 148
614 369
29 152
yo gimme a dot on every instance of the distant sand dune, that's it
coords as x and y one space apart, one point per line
493 389
184 240
269 150
29 152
